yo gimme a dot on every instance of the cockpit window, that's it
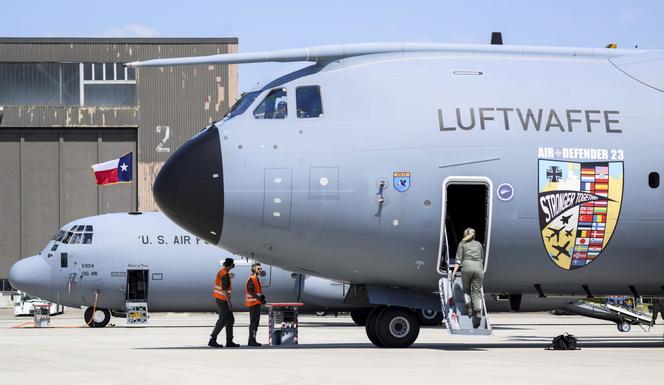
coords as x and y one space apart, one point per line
308 101
75 239
274 106
59 235
67 237
76 235
242 104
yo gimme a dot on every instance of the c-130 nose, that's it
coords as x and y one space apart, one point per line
32 275
189 189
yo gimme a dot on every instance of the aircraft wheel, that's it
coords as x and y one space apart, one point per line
370 326
98 319
397 327
360 316
624 327
429 317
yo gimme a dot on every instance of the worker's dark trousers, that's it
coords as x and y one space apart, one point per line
254 318
225 319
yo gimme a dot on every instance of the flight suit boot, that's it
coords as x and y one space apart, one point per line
252 340
231 344
213 343
477 321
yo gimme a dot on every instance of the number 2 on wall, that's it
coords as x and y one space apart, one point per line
167 134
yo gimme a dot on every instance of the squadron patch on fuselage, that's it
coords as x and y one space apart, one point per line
579 205
401 181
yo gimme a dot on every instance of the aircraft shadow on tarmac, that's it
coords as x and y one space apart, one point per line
520 342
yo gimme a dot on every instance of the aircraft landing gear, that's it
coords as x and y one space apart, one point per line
429 317
360 316
392 327
624 327
99 319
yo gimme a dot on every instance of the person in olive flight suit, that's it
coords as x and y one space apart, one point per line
470 256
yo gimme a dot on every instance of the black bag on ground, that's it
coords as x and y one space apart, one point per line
564 342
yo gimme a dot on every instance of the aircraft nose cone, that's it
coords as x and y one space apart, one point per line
31 275
189 189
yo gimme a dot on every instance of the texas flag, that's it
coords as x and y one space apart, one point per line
113 171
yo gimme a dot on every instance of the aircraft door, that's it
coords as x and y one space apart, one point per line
137 286
466 202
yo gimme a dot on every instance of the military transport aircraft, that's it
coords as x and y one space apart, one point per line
387 152
113 258
106 260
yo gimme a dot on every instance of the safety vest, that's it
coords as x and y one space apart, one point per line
249 300
217 293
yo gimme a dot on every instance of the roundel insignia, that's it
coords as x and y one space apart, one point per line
579 205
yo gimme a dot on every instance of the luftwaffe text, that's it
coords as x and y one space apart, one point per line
530 119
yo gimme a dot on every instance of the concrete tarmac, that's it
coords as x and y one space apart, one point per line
172 350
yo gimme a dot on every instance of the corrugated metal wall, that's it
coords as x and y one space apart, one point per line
46 152
173 103
47 182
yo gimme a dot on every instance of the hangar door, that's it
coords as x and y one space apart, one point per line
46 181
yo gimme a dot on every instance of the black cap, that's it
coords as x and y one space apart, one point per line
228 262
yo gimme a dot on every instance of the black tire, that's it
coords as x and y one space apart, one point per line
624 327
99 319
370 327
397 327
360 316
429 317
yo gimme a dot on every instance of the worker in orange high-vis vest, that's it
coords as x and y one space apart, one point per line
222 295
253 299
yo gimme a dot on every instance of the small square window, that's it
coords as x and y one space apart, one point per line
87 71
131 73
88 227
80 228
87 238
119 72
308 102
98 71
653 179
110 71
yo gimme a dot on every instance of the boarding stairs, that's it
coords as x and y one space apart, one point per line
457 320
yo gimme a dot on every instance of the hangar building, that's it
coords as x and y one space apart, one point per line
67 103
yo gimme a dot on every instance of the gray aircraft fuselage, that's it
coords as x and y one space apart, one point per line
356 194
181 269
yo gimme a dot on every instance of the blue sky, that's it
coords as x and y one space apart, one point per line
263 25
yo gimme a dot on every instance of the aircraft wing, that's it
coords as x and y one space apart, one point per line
340 51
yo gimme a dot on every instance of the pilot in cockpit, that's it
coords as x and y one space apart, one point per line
282 110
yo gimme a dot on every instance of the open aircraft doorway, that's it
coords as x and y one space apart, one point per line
467 202
137 286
